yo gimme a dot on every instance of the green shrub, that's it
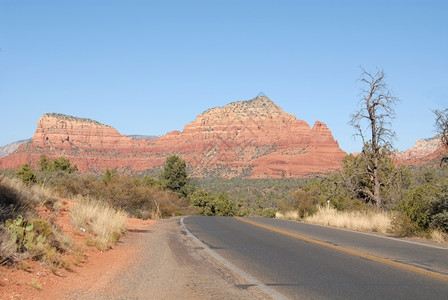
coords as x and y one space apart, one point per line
266 213
204 201
41 227
438 210
26 174
417 205
59 164
174 176
427 206
221 205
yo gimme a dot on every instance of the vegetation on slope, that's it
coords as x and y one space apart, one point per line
31 200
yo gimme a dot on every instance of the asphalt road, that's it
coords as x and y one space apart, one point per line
302 261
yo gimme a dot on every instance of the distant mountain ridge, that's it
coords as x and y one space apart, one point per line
143 137
254 139
423 151
10 148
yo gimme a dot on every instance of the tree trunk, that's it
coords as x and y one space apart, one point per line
376 153
376 183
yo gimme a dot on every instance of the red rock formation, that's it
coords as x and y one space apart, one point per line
423 152
253 138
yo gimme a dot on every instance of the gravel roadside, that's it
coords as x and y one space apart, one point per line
170 265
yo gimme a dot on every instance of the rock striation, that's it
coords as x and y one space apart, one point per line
254 139
423 152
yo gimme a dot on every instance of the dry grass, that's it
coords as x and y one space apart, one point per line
24 265
8 249
105 223
20 197
35 284
439 236
289 215
353 220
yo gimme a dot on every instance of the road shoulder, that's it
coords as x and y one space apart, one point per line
170 265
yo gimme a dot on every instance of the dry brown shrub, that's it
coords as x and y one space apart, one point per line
438 236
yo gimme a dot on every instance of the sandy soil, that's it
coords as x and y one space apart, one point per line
94 272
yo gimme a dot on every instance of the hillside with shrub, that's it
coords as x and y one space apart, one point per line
34 200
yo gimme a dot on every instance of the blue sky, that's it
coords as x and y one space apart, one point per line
150 67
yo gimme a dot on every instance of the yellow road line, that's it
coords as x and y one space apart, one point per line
350 251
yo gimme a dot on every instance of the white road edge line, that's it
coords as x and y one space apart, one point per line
251 280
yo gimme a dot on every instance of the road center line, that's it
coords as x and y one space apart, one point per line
350 251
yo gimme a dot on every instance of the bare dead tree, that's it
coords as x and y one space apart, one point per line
442 128
373 120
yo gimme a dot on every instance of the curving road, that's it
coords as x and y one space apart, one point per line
302 261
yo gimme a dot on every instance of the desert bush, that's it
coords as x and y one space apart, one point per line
264 212
70 185
34 239
139 197
209 205
26 174
356 177
223 205
203 200
98 218
54 165
303 202
61 241
438 236
253 197
19 198
306 203
174 176
170 204
8 248
427 206
417 204
402 226
22 233
152 182
438 210
13 199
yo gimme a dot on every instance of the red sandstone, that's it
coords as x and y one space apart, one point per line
253 138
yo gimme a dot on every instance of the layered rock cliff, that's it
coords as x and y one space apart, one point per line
423 152
254 138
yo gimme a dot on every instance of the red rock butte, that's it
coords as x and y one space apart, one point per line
252 139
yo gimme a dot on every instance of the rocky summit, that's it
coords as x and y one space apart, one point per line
424 151
253 139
